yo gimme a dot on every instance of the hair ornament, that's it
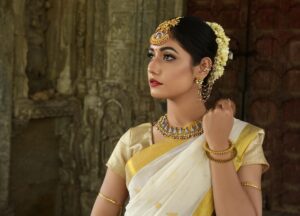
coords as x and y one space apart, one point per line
222 54
162 32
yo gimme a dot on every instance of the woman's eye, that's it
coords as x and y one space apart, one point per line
150 55
168 57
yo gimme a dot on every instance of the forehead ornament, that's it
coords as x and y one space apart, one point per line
162 32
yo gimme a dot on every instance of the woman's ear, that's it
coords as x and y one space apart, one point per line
202 69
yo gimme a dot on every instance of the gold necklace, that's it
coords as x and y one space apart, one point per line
192 130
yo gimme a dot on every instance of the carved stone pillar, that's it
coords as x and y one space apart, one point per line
82 64
116 71
6 71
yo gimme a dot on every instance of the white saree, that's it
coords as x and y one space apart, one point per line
171 178
163 187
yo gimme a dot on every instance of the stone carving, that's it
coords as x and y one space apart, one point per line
6 71
109 138
64 80
118 63
35 110
81 39
88 72
91 117
67 130
122 26
37 26
2 92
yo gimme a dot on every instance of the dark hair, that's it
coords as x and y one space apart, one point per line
196 37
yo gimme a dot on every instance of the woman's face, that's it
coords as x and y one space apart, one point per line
171 66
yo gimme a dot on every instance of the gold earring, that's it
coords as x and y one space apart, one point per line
199 86
207 69
204 90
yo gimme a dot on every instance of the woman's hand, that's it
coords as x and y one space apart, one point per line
217 124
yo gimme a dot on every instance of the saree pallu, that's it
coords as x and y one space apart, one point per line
172 177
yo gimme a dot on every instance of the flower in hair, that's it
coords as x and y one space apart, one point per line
222 51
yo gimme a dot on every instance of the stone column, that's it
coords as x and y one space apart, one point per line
6 71
115 74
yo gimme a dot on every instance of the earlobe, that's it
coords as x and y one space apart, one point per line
198 72
201 71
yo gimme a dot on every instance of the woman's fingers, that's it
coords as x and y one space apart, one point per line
226 104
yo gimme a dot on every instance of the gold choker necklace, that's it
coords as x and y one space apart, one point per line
192 130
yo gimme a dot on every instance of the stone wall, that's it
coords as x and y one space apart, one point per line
70 72
6 71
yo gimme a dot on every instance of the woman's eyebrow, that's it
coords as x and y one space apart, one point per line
168 48
163 49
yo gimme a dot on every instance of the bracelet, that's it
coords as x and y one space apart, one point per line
110 200
249 184
229 149
234 153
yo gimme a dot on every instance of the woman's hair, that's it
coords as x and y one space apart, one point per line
196 37
200 39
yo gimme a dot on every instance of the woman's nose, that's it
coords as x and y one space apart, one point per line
154 66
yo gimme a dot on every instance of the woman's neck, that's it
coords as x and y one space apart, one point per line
185 109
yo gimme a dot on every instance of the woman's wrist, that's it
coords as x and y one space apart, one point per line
218 145
220 153
224 157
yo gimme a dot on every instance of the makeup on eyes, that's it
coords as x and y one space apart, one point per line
168 57
167 53
150 54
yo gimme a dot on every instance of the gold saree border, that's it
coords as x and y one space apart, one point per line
248 134
146 155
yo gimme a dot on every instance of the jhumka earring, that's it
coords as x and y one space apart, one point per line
204 90
199 83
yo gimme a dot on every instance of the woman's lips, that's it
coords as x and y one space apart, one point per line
154 83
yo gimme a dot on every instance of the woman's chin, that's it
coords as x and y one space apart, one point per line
157 96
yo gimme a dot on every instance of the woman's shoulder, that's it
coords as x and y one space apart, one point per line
238 123
143 126
141 134
243 128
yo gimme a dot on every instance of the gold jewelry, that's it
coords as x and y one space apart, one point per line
162 32
110 200
207 69
199 87
193 130
233 155
204 90
228 150
249 184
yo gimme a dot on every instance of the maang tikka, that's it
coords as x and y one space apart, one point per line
162 32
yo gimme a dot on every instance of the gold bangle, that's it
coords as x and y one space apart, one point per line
249 184
234 153
229 149
110 200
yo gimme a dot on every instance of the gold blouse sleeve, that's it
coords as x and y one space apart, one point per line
120 155
255 154
133 141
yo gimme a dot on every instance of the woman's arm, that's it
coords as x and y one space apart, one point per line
230 197
113 187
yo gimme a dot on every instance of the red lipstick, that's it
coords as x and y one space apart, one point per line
154 83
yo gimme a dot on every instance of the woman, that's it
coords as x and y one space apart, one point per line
192 161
